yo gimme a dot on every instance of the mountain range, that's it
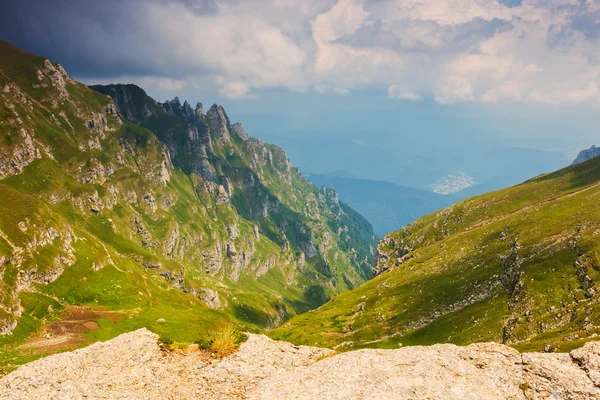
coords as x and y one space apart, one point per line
119 212
153 214
410 158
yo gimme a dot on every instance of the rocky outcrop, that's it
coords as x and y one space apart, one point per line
240 131
587 154
199 109
217 117
185 110
390 254
53 75
131 101
133 366
210 297
18 156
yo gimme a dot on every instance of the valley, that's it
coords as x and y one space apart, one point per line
334 199
120 212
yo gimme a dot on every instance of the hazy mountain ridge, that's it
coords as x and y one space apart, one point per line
386 205
96 210
412 158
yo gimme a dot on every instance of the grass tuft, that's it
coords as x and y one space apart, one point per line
222 341
165 342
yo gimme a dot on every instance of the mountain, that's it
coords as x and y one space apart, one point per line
518 266
323 152
129 213
385 205
587 154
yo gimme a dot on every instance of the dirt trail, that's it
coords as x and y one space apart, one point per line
488 221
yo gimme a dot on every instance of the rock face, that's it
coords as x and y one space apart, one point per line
132 102
587 154
220 122
239 130
388 249
133 366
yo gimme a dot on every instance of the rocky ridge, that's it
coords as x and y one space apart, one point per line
133 366
586 154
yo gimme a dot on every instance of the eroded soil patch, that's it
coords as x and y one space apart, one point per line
69 332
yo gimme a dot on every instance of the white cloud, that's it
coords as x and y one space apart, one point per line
446 50
326 89
233 89
453 183
397 92
455 89
243 50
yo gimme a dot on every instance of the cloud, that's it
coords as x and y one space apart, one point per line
455 89
450 51
326 89
406 35
397 92
234 89
453 183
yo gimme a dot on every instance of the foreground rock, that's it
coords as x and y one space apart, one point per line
132 366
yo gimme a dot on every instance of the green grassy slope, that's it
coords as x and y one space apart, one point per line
517 266
93 213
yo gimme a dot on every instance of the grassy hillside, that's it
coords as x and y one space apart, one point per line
517 266
107 226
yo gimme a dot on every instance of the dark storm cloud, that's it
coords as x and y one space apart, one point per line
582 20
431 35
93 38
511 3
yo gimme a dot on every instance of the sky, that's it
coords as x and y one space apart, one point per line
517 73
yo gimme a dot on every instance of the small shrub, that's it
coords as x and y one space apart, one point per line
524 386
165 341
223 341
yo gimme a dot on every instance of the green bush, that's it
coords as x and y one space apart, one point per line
164 341
222 341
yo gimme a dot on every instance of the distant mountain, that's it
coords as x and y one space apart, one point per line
440 165
342 173
587 154
323 152
387 206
